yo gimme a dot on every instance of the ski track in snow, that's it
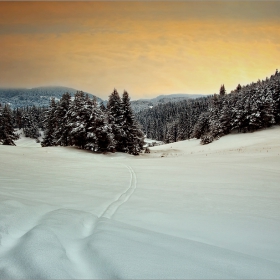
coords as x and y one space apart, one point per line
112 208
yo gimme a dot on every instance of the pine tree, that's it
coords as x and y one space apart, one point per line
172 132
116 119
133 139
77 119
182 127
7 133
17 113
50 125
101 128
238 88
222 90
31 122
62 132
225 117
202 126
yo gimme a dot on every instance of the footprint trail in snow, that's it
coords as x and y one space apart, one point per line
110 211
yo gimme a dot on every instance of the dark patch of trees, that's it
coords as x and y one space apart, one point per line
172 122
85 124
245 109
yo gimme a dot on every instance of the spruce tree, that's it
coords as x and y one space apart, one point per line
31 122
116 120
238 88
7 133
62 132
222 90
50 123
77 118
133 139
99 131
202 126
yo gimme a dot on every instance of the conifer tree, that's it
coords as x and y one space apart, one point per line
99 131
7 133
62 132
50 123
222 90
77 119
202 126
116 119
238 88
133 139
30 119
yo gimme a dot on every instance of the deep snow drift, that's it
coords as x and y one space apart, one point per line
182 211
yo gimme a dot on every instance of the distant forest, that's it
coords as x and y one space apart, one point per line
84 122
39 96
245 109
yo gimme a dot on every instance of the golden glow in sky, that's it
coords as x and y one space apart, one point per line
147 48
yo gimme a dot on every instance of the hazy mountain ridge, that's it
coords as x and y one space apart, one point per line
38 96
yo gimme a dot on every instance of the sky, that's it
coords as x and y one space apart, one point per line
147 48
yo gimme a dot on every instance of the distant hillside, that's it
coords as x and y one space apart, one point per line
245 109
39 96
142 104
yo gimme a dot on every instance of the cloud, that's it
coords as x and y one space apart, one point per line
144 48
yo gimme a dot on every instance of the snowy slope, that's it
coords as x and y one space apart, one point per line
182 211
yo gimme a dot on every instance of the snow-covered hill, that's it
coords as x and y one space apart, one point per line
182 211
39 96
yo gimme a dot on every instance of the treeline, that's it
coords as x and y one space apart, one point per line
172 122
245 109
85 124
79 122
29 120
82 122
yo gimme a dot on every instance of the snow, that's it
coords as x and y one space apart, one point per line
150 142
182 211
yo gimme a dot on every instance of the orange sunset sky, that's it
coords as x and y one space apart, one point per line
147 48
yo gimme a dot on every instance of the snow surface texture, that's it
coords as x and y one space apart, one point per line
182 211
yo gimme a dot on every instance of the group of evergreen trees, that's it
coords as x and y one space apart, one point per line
245 109
85 124
28 119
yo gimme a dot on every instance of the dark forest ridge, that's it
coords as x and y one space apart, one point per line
38 96
142 104
174 95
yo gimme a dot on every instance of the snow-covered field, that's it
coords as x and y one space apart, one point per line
182 211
